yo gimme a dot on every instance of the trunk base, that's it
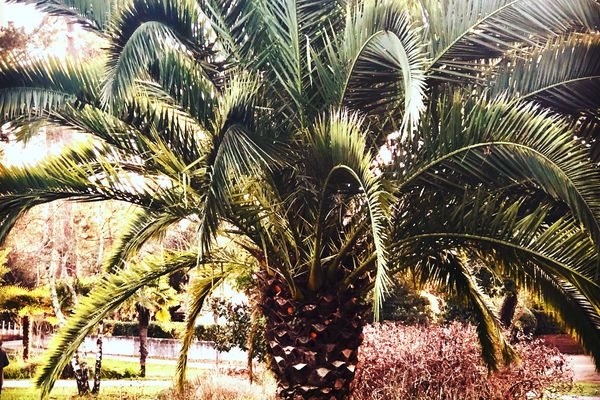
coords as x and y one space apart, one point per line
313 343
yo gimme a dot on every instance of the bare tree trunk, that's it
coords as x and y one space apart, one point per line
98 366
143 321
80 370
51 272
250 341
26 326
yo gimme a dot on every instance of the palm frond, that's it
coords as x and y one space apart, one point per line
505 227
238 28
201 288
92 14
143 33
234 154
564 74
385 75
83 172
36 89
109 294
518 141
450 272
340 145
187 83
143 226
566 304
463 32
286 54
555 259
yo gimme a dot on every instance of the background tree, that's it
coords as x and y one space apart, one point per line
272 134
27 304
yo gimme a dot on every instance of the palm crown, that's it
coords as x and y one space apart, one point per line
266 119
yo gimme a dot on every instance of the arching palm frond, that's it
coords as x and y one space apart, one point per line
462 32
109 294
512 239
143 226
37 89
146 31
339 138
201 288
83 172
375 65
518 141
564 74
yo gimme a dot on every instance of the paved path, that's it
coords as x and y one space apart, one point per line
583 368
70 383
206 364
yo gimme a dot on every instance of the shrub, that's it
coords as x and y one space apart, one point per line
444 362
161 330
236 329
406 305
19 369
222 387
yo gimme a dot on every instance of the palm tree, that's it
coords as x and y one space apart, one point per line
339 143
28 304
152 299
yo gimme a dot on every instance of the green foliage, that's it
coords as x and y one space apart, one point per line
22 301
19 369
160 330
405 305
235 330
264 124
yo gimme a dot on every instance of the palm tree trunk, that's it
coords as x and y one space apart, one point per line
508 308
98 366
314 342
26 326
143 321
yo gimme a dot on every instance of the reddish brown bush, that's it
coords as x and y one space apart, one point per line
444 362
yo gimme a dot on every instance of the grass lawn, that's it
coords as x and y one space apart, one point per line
132 368
586 389
111 369
106 393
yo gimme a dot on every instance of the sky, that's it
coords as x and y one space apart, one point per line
22 15
27 17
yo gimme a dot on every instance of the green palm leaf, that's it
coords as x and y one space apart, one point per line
112 291
517 141
41 87
463 32
202 287
564 74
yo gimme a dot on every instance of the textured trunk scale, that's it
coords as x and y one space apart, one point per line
26 325
313 342
143 320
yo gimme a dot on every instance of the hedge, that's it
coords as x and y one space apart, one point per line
19 369
159 330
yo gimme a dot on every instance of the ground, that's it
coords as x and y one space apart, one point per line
217 386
